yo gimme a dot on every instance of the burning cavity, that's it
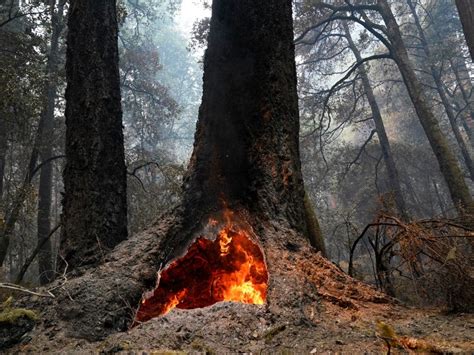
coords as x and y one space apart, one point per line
230 268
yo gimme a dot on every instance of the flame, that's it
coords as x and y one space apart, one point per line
224 241
231 268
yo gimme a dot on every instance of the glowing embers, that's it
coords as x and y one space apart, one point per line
231 268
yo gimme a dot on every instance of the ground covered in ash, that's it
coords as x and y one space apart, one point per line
312 307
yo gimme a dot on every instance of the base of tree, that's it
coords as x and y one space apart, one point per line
311 304
95 303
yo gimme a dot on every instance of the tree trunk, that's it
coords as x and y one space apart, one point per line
448 164
466 14
442 94
315 234
94 215
45 261
3 152
392 171
7 228
245 170
464 82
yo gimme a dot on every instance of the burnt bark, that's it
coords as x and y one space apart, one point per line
245 159
45 258
392 172
447 161
466 14
94 218
246 145
246 150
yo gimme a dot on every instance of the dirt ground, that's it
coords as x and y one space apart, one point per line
227 328
333 313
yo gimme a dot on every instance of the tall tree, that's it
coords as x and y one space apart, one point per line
245 158
45 259
94 216
448 163
392 171
246 145
436 74
3 152
466 14
390 35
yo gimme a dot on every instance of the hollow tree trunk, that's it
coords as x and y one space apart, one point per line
94 217
245 159
442 94
448 164
466 14
45 260
392 171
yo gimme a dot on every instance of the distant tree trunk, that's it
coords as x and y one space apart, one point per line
11 217
94 217
315 234
392 171
45 260
448 164
465 85
466 14
3 152
442 94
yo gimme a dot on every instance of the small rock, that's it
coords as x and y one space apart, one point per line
314 351
339 342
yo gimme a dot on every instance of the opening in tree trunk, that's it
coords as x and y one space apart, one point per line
229 268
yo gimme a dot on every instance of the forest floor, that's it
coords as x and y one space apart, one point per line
347 316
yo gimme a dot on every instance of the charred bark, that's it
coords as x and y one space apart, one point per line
94 216
447 161
245 159
466 14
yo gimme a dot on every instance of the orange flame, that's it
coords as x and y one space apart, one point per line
231 268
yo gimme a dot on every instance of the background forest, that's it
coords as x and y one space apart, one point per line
371 146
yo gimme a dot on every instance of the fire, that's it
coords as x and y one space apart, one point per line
230 268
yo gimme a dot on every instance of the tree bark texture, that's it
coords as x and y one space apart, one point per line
466 14
447 161
94 207
392 172
246 159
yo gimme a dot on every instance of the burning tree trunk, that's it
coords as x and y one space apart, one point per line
243 216
240 233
